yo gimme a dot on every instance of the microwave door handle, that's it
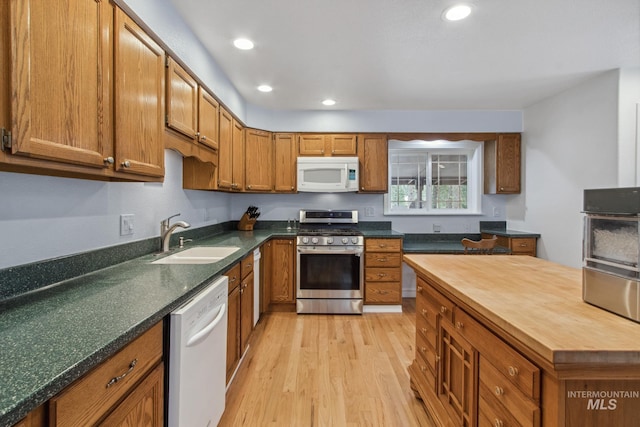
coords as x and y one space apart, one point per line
346 176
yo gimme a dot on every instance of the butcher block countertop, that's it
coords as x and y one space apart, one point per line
536 302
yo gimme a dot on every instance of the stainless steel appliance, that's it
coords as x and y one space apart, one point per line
610 273
330 263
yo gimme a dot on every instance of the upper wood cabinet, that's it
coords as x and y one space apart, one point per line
502 164
258 164
191 110
63 95
327 145
237 144
373 158
139 74
284 162
231 153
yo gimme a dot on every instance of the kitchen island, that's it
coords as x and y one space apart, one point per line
503 340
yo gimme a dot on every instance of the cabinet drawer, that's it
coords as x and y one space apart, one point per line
246 265
438 301
383 292
513 366
425 312
382 274
491 413
383 245
496 385
382 259
234 277
426 376
85 401
426 351
523 245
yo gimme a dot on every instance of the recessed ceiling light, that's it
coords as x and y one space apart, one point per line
243 44
328 102
265 88
456 12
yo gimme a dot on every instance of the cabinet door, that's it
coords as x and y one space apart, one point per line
508 163
143 407
258 160
60 81
139 100
182 100
233 331
342 145
284 162
237 144
282 271
246 311
208 109
311 145
225 152
457 376
373 155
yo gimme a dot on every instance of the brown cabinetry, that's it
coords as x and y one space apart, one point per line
284 162
64 93
373 158
259 152
383 271
517 245
464 373
502 164
127 388
280 271
327 145
231 153
239 312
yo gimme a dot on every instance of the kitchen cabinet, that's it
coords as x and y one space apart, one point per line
237 143
240 312
477 378
259 153
284 162
191 110
502 164
383 271
327 145
231 153
373 158
35 418
517 245
280 270
126 389
109 124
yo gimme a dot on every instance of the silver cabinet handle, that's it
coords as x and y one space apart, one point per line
126 163
109 160
114 380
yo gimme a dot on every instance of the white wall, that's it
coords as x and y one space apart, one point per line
570 143
628 128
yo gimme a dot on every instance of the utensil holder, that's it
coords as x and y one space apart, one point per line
246 223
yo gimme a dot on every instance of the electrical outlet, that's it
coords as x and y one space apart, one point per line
496 212
126 224
369 211
436 228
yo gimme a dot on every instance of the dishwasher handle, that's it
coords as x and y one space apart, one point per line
202 334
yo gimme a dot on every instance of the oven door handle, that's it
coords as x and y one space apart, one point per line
341 251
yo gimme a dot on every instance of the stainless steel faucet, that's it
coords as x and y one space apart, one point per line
166 231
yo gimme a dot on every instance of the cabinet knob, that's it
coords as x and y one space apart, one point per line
362 188
443 309
423 368
459 325
382 274
424 311
513 371
382 245
203 138
424 330
423 349
501 188
291 188
499 391
419 288
437 359
290 243
109 160
249 187
321 151
382 260
498 423
126 163
333 151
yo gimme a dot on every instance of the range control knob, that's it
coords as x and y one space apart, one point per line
354 240
345 240
305 240
314 240
329 240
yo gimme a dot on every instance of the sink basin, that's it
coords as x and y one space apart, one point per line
198 255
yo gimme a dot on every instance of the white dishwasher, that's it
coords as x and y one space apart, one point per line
198 357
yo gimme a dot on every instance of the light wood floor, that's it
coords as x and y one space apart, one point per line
328 370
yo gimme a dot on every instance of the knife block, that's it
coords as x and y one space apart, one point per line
246 223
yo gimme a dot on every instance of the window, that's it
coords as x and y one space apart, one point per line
434 177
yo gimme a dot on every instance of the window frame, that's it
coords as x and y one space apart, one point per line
475 185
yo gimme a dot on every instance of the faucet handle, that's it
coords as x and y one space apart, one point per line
165 222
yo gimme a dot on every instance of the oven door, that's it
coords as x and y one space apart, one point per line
330 272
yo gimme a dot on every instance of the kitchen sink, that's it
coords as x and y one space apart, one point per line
199 255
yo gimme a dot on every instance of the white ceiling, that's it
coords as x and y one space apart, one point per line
400 54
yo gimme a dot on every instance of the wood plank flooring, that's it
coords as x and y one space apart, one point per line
328 370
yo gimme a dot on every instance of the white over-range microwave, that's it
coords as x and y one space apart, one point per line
327 174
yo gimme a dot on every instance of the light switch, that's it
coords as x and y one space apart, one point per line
126 224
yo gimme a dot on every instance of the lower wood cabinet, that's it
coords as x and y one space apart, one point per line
126 389
383 271
239 312
517 245
280 283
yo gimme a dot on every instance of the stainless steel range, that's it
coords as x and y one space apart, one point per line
330 263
